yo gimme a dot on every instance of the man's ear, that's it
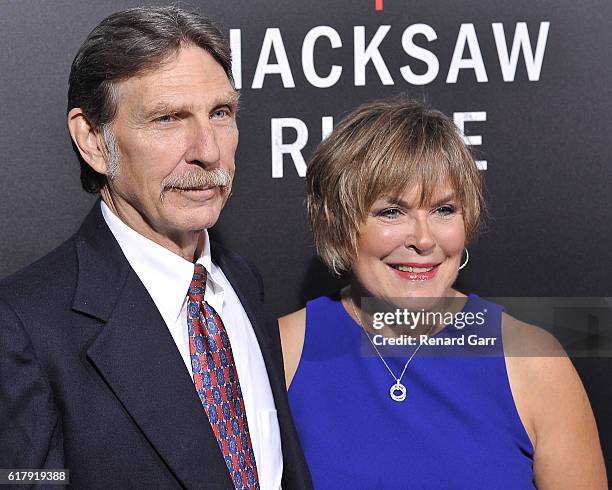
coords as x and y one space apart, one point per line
88 140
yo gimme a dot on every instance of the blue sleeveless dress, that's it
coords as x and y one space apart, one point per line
458 427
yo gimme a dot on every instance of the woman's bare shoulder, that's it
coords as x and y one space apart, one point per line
292 331
553 407
523 340
293 320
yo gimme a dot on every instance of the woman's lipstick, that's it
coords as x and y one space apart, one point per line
415 272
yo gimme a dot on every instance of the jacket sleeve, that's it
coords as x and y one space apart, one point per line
30 426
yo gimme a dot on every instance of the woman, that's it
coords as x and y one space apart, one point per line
394 197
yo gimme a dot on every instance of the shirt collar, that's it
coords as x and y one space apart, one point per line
214 290
165 275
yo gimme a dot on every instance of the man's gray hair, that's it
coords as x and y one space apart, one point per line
112 152
128 43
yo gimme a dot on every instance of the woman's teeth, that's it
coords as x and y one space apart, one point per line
405 268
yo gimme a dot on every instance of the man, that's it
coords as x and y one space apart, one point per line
138 354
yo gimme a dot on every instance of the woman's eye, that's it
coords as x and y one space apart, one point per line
389 213
445 210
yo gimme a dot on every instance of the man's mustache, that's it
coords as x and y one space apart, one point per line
198 179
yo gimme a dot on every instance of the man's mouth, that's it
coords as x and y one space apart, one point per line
193 189
198 194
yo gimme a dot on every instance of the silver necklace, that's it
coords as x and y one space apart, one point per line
397 390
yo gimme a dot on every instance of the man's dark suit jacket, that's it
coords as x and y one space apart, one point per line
91 379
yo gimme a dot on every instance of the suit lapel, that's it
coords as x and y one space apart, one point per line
138 360
250 304
295 470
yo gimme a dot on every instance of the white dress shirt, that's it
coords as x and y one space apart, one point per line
167 277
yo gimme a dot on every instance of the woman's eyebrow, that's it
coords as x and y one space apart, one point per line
401 202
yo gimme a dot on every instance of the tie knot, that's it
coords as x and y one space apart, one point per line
198 283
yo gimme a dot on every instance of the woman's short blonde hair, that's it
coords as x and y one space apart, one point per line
381 149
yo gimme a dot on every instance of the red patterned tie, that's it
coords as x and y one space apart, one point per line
216 381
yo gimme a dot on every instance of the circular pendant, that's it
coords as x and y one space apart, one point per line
398 392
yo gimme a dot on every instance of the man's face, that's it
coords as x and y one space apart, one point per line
174 125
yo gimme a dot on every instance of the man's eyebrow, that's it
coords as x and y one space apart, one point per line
162 108
166 107
230 99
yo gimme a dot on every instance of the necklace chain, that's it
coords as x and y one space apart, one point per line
398 380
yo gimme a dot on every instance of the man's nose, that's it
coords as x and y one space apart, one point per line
419 234
203 147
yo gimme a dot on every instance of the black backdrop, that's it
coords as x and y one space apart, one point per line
544 132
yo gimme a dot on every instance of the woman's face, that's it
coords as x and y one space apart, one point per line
407 251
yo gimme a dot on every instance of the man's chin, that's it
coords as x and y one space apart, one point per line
204 218
192 210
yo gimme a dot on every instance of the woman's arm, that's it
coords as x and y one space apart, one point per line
554 408
292 330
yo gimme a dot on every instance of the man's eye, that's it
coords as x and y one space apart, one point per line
220 113
166 118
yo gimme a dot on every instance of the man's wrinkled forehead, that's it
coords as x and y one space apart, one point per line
158 88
